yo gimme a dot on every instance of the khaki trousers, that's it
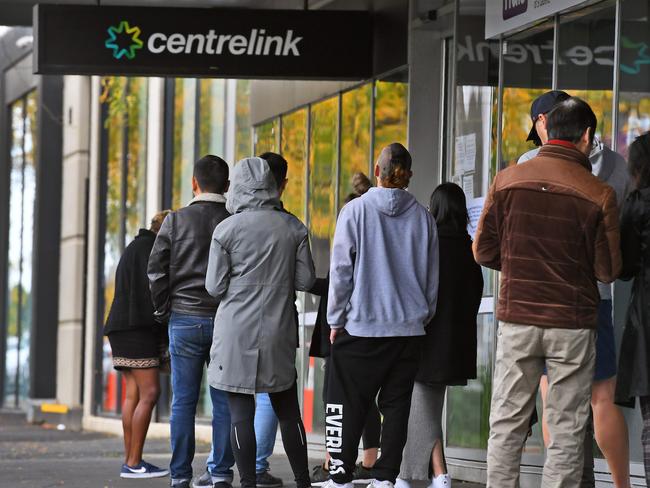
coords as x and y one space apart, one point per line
522 351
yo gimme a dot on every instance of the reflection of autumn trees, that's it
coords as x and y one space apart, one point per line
323 155
355 136
391 111
517 123
242 120
126 116
267 137
294 150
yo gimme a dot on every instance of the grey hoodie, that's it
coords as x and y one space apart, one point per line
384 267
258 257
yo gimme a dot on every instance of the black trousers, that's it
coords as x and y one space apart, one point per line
242 434
371 435
360 370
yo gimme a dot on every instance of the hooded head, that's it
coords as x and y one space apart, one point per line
252 187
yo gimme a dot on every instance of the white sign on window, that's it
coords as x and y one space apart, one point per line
507 15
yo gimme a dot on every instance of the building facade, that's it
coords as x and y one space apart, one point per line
460 102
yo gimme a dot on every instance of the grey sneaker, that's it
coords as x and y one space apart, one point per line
319 475
362 475
203 481
267 480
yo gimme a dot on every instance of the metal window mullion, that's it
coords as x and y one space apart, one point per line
371 155
197 119
307 161
19 315
500 107
617 75
556 52
337 169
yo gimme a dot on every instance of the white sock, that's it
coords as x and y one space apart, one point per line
400 483
441 481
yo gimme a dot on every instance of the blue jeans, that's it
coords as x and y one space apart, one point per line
266 428
190 338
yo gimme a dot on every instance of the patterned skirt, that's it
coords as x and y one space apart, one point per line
139 348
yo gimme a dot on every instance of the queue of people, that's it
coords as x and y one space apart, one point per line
397 321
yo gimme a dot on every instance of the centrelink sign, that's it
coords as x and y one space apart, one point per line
237 43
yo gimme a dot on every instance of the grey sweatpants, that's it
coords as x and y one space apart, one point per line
522 351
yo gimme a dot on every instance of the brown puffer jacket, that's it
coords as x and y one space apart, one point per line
551 228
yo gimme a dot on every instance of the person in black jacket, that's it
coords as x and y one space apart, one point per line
177 270
137 343
449 352
634 364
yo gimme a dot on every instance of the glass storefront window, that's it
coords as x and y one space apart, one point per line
267 137
184 140
586 62
528 72
212 117
634 95
22 193
294 150
243 120
126 101
355 137
391 111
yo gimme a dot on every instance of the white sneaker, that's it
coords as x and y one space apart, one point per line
381 484
332 484
400 483
441 481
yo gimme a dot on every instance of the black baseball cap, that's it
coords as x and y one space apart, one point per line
543 104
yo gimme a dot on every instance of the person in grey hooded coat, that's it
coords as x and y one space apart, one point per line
258 257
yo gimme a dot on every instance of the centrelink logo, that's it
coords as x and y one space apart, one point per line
117 36
124 40
512 8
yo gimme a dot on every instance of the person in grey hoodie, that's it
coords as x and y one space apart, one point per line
258 257
383 290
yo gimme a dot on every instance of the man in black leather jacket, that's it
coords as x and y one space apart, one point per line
176 270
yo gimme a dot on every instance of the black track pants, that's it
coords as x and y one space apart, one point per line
360 368
242 434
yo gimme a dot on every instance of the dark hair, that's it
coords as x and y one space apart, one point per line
449 206
639 160
569 119
394 164
278 166
211 173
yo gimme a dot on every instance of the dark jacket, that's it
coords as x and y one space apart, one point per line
449 352
320 338
551 228
179 259
132 307
633 379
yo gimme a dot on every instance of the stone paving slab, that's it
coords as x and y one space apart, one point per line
43 457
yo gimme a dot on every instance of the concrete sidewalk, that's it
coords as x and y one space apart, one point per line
43 457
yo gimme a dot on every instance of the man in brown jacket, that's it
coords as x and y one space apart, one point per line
551 228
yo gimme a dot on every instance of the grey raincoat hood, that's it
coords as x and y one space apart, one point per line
258 258
252 186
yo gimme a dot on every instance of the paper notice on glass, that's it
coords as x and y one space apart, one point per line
465 153
468 185
474 209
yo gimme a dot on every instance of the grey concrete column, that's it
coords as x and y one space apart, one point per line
76 151
426 71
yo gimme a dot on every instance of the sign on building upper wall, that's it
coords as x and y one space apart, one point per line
506 15
236 43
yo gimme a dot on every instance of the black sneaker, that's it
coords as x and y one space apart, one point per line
319 475
222 484
267 480
362 475
180 484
